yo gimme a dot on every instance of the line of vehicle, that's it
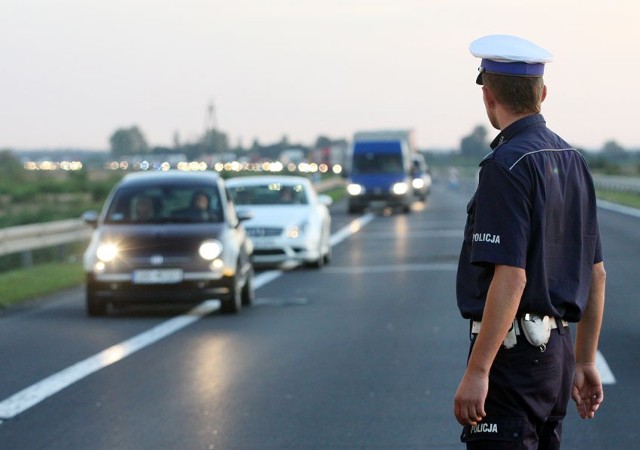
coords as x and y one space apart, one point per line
34 394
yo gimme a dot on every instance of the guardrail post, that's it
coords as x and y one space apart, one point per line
27 259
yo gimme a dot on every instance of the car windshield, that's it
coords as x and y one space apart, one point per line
165 204
269 194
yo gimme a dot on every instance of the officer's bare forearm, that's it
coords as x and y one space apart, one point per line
500 310
588 329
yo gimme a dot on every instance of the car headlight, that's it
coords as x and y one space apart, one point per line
296 231
107 252
210 249
400 188
293 232
417 183
355 189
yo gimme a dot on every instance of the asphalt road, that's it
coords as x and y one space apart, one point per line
365 353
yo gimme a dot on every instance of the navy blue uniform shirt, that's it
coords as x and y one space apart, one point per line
534 208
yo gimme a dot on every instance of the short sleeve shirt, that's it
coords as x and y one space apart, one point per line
534 208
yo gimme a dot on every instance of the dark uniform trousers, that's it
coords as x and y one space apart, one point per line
529 391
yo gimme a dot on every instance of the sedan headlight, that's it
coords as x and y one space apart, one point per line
296 231
400 188
210 249
107 252
355 189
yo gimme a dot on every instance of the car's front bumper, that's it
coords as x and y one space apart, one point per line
272 251
120 288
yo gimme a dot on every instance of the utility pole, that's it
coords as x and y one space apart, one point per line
210 126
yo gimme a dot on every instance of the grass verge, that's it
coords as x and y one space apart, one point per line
20 285
630 199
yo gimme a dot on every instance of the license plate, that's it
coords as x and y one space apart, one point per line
263 243
157 276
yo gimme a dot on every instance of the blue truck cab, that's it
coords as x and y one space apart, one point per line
379 171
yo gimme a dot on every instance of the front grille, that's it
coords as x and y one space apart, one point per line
273 252
263 231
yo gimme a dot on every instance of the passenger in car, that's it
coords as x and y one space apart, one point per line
144 208
200 207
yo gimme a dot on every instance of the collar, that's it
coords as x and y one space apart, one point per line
517 127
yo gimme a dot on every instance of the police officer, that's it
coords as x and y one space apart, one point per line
531 261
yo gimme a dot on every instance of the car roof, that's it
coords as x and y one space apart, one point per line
255 180
170 176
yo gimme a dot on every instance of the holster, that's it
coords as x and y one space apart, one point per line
537 329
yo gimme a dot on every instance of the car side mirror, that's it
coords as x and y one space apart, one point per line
90 218
325 200
244 215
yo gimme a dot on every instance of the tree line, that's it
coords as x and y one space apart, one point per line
130 141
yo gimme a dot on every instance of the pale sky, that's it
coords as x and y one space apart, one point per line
73 71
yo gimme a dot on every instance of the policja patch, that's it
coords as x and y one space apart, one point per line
506 429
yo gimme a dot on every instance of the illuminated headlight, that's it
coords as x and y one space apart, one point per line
210 249
296 231
417 183
293 232
400 188
355 189
107 252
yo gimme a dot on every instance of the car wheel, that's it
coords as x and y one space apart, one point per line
248 293
353 209
327 256
232 303
95 306
318 263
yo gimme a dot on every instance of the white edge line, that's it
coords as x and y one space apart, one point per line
619 208
34 394
606 375
45 388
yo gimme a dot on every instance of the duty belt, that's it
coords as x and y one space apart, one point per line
536 328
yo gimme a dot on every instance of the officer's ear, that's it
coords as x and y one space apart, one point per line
544 93
488 97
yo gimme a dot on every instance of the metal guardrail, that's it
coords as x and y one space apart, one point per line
31 237
617 183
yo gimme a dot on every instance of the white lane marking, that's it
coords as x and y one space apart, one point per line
351 229
634 212
34 394
606 375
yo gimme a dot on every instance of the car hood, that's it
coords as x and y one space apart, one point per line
276 215
151 236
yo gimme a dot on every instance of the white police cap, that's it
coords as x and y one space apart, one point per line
509 55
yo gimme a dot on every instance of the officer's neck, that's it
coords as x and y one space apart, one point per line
504 117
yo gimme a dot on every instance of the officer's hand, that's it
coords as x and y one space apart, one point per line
470 397
587 390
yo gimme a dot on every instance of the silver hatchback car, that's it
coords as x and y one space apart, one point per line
168 237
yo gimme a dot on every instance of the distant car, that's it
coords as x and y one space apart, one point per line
290 223
420 177
170 238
